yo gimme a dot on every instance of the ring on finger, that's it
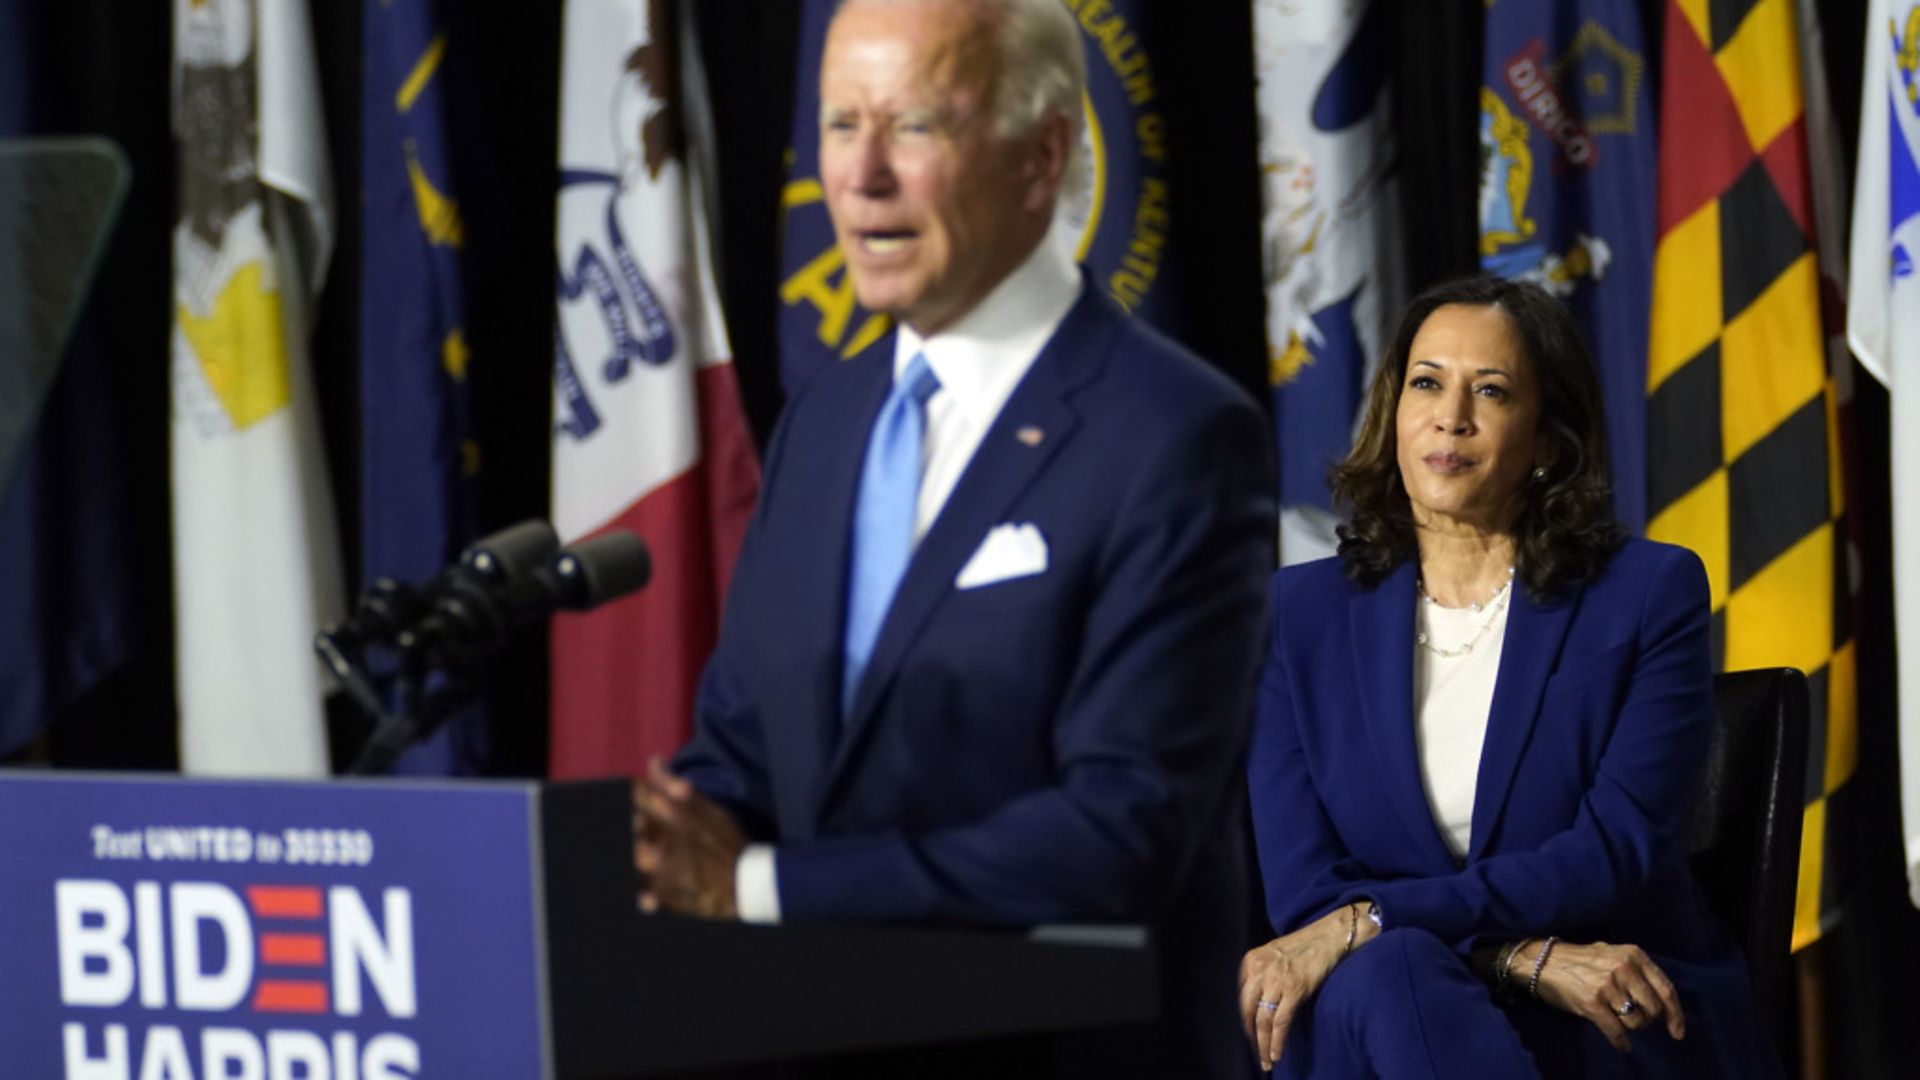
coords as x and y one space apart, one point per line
1627 1007
1268 1005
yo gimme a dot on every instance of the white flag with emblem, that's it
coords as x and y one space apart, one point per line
256 558
1883 327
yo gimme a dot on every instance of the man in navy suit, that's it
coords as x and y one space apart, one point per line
989 653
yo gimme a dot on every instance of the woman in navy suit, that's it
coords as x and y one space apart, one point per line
1479 729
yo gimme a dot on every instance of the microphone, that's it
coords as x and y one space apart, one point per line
388 607
473 616
514 550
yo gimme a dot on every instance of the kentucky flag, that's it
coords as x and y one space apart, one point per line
1567 188
1328 233
417 461
1115 216
1883 327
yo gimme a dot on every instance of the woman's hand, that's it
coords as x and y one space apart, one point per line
1616 987
1280 977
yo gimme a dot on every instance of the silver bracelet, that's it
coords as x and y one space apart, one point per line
1539 962
1503 966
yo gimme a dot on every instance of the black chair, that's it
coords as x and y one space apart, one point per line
1744 830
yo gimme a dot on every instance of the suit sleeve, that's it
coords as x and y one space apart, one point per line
1628 823
1145 740
726 759
1304 867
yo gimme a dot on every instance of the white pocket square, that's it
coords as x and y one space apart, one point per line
1009 551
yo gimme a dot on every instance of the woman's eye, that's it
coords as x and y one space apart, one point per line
1423 382
1493 390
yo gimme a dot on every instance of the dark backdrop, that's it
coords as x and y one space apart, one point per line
113 70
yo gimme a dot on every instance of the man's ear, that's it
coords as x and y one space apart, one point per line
1049 145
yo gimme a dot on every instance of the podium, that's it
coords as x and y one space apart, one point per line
374 930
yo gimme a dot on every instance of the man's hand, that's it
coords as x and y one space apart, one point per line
1618 988
684 846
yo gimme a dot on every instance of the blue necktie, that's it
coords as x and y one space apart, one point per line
883 516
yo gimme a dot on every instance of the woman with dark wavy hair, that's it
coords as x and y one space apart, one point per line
1479 729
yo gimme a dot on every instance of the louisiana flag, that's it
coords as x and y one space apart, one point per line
1743 464
1329 231
1883 328
1567 190
649 433
255 553
1115 216
418 462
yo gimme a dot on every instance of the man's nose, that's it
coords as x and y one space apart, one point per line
871 171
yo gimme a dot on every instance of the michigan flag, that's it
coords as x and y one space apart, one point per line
1883 327
1740 409
1329 229
1115 217
1567 189
256 561
649 434
418 462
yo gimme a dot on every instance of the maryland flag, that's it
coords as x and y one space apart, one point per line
1744 467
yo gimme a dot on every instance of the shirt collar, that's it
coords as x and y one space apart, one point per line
982 356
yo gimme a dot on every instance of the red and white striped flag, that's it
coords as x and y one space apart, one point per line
649 433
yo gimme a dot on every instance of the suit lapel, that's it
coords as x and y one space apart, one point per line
827 470
1532 643
1002 468
1381 622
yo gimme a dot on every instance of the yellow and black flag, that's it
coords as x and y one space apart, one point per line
1743 464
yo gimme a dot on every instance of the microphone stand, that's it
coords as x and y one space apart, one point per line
417 710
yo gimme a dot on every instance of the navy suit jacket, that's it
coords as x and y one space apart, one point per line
1053 748
1601 715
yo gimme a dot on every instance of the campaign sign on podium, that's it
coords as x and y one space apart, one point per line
371 931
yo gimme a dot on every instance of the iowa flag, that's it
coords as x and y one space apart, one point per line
256 562
648 433
1743 466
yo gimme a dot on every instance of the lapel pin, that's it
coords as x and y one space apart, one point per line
1030 435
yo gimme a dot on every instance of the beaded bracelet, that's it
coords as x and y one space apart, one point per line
1539 962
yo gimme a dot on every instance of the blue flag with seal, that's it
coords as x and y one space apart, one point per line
1115 217
418 462
1567 190
1328 229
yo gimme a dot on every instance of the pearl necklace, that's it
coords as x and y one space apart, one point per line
1493 605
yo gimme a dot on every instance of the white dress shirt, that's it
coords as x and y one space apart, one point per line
979 360
1452 697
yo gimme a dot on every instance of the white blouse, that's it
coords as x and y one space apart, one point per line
1452 696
